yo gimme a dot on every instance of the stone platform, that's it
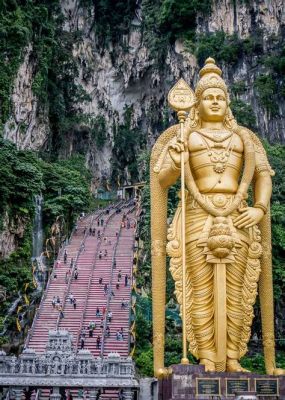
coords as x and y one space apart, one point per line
189 382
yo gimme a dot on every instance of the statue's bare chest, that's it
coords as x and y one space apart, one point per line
215 150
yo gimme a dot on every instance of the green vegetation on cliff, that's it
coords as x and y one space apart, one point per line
128 141
22 23
37 25
34 28
23 175
111 18
164 21
64 185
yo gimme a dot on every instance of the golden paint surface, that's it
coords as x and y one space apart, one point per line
227 243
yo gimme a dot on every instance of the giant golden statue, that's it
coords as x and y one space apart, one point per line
227 242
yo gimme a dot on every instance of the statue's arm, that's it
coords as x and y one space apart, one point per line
263 181
169 172
262 190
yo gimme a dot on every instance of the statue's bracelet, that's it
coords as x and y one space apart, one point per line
174 167
261 206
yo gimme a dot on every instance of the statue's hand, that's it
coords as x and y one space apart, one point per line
249 216
175 151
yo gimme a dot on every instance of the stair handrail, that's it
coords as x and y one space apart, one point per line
110 284
109 293
38 394
131 289
7 397
131 286
66 291
91 275
132 308
43 298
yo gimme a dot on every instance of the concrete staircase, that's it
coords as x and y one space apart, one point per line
92 264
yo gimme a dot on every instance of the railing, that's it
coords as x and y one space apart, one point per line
131 284
91 276
132 321
131 304
110 283
39 309
109 294
38 394
66 291
120 203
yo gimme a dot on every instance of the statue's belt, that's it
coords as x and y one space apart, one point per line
194 227
218 200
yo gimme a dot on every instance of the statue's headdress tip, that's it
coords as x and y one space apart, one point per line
210 67
210 60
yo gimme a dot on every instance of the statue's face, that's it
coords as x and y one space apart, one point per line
213 105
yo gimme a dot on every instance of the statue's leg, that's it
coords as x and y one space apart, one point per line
200 274
235 307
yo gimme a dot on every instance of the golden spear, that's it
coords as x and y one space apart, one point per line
181 98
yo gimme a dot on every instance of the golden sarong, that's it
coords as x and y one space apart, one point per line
241 270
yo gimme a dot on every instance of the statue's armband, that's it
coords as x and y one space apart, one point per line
262 166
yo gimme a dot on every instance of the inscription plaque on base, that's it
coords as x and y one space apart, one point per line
236 385
266 387
208 386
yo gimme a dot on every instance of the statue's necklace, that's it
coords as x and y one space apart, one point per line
219 159
215 136
247 175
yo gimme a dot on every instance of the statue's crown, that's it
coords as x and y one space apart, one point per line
210 77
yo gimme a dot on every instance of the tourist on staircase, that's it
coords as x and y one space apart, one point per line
91 329
108 332
74 303
109 316
53 302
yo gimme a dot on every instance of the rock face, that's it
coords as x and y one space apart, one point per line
26 126
13 230
243 17
127 75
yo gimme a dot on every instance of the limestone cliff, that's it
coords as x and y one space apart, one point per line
127 74
13 230
243 17
26 127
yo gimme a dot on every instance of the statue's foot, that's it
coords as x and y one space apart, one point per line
278 371
209 365
234 366
161 373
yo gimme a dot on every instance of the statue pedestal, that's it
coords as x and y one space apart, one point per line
192 382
